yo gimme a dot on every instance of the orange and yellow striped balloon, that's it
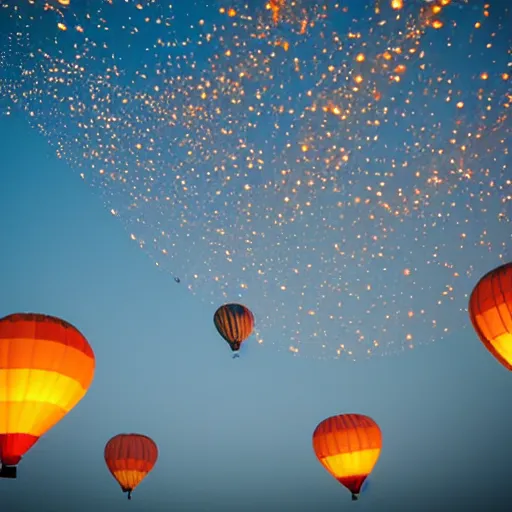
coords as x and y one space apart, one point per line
46 368
490 311
234 323
130 457
348 446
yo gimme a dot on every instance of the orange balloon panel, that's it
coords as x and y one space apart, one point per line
490 310
348 446
130 457
46 367
234 323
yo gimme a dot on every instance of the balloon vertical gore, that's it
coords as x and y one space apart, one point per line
235 324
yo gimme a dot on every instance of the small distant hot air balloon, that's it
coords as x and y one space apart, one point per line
130 458
490 311
235 324
46 368
348 446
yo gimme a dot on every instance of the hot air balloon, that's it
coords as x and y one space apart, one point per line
348 446
490 311
235 324
130 457
46 368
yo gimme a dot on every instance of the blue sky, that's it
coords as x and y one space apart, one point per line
233 434
236 434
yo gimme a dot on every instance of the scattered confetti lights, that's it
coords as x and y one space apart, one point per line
341 168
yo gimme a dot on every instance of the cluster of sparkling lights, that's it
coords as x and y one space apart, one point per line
342 168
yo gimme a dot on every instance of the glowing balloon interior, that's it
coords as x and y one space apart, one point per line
46 367
348 446
490 311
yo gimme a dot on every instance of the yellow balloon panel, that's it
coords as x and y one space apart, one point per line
129 479
32 401
32 418
494 321
503 345
358 463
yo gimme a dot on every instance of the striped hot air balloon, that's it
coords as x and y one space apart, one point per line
490 311
130 457
234 323
46 368
348 446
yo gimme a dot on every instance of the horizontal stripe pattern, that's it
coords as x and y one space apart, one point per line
37 326
130 457
348 446
490 311
41 379
48 355
235 323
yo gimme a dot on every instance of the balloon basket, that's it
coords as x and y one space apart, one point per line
8 472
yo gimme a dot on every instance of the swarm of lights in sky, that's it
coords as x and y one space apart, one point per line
342 168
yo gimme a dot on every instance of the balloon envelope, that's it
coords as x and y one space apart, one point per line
130 458
348 446
235 323
46 367
490 311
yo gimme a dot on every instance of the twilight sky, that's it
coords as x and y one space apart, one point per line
236 434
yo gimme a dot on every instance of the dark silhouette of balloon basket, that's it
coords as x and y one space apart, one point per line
8 471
